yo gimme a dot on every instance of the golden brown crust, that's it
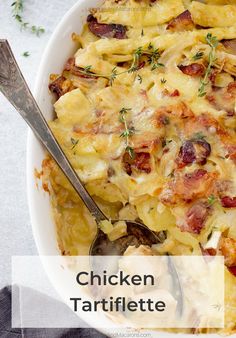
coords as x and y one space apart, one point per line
182 22
228 250
60 86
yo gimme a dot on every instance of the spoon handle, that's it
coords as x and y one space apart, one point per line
16 90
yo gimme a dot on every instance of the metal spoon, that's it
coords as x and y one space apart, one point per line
16 90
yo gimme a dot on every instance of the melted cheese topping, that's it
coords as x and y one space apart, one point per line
184 145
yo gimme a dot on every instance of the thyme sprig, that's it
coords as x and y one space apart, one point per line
213 43
17 11
153 55
128 132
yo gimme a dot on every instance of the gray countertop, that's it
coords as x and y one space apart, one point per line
15 228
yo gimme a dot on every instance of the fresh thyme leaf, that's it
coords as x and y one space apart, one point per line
150 209
87 69
37 30
212 40
113 76
157 65
153 57
130 151
74 143
128 132
211 199
197 56
18 5
163 81
213 43
26 54
139 51
172 174
136 59
198 136
201 89
123 111
140 79
166 142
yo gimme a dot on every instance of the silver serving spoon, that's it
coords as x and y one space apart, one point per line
16 90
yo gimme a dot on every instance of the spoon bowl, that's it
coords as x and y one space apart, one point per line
137 234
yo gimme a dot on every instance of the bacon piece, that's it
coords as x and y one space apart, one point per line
186 154
179 110
166 92
224 98
228 202
193 151
194 185
70 63
230 45
222 187
228 250
175 93
231 152
141 65
202 151
183 111
60 86
231 88
188 187
196 217
141 162
146 142
232 269
205 123
106 30
73 69
182 22
195 69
